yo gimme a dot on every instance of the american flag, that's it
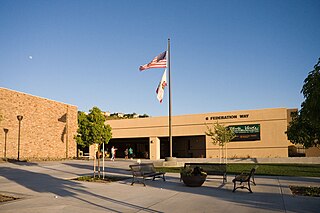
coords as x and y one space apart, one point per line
158 62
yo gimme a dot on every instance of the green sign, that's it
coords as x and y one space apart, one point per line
250 132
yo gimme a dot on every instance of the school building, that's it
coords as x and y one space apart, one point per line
36 128
259 134
33 127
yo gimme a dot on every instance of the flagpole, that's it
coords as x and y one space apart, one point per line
170 122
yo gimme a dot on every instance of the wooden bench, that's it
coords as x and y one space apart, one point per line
244 177
210 168
144 171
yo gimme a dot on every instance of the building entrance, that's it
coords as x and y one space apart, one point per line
184 147
140 146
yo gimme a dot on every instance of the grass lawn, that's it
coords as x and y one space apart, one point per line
106 179
301 170
305 191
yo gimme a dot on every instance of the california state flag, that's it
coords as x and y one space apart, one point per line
162 85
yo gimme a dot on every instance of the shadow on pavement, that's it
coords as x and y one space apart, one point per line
214 188
44 183
107 169
266 195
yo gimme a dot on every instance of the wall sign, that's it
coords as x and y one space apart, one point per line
221 117
250 132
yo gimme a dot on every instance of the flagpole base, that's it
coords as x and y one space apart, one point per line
170 159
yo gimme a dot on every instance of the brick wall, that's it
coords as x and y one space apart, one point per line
47 128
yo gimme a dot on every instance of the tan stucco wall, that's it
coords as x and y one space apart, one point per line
273 124
313 152
47 128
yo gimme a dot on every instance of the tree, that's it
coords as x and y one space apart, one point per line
220 135
301 132
305 126
82 137
93 130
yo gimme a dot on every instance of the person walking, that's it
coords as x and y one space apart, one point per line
113 153
130 153
126 153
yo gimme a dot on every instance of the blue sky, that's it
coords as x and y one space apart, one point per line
225 55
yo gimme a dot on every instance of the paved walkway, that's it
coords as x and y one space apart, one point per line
47 187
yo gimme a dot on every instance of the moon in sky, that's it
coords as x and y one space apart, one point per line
30 57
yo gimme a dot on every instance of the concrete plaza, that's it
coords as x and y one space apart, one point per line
47 187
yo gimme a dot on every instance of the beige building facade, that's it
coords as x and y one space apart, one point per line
46 128
260 134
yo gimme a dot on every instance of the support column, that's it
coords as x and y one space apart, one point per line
154 148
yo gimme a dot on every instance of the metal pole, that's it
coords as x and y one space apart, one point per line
67 132
94 165
103 160
226 153
19 117
169 74
5 142
19 141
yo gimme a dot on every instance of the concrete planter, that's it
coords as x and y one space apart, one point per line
193 181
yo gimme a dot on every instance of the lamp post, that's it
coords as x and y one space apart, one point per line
5 142
19 117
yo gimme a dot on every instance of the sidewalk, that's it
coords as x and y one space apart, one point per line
47 187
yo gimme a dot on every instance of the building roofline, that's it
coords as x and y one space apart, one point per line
229 112
37 96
